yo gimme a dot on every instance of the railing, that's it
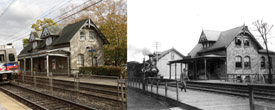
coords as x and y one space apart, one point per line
256 78
148 83
253 87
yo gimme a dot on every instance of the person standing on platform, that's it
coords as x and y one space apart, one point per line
183 78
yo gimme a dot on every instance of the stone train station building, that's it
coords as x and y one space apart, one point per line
63 50
221 54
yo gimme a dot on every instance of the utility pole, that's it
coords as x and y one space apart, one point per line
156 45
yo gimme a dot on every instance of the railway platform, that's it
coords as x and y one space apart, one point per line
93 80
212 101
8 103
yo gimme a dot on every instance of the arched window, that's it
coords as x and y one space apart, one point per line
262 62
82 35
246 42
80 60
238 41
247 62
238 62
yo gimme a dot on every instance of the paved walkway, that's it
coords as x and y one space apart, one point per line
212 101
8 103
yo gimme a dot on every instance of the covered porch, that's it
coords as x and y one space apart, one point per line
56 62
206 67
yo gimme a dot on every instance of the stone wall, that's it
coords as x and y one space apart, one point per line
251 51
80 47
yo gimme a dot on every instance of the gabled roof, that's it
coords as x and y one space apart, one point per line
195 50
53 30
162 54
226 37
36 36
211 35
26 49
70 30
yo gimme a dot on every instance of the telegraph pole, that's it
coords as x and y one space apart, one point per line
156 45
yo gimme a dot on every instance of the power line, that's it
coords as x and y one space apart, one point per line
46 13
80 10
71 9
69 15
7 8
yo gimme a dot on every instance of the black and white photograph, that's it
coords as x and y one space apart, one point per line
201 55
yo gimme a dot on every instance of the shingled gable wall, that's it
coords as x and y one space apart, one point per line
164 69
232 51
77 46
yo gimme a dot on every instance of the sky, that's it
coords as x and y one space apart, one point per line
15 23
179 23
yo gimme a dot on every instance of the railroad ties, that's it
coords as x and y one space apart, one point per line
41 101
89 94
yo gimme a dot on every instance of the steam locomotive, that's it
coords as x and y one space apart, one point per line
150 67
8 63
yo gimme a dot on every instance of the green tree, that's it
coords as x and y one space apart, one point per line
40 24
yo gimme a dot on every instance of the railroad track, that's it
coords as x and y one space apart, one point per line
236 89
40 101
102 94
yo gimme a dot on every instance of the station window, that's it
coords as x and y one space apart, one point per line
82 35
247 62
238 41
262 62
2 58
11 57
91 35
94 61
246 42
238 62
80 60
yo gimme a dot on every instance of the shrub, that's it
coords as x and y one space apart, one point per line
103 70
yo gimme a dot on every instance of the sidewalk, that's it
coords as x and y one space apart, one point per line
141 101
212 101
8 103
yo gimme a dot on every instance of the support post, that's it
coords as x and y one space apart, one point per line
175 71
181 67
177 92
205 70
251 98
157 86
31 66
196 70
34 79
23 75
170 71
166 89
48 71
51 82
68 61
152 86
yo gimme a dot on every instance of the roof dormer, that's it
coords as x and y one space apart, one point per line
35 36
51 31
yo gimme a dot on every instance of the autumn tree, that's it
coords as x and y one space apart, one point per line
40 24
264 29
111 18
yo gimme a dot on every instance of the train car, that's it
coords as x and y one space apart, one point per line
8 63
